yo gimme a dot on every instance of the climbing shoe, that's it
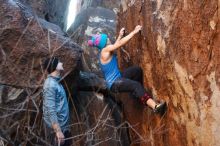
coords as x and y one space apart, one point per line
160 108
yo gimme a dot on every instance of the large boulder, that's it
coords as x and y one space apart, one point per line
25 41
178 49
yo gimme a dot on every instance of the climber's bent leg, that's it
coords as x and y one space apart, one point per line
127 85
133 73
134 87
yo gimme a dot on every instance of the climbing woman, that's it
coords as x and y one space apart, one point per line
131 79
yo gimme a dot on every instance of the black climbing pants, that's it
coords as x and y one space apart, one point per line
131 81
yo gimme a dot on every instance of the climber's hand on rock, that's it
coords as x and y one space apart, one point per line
137 29
122 31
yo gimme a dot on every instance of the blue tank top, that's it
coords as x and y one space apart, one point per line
110 71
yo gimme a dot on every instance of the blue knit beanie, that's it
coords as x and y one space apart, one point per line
98 41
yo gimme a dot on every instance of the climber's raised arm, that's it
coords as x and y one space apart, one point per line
121 34
122 41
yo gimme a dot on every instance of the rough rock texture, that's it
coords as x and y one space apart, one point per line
54 11
178 50
25 41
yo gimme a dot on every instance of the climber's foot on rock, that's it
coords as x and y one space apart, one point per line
160 108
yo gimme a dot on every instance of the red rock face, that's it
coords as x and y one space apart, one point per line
178 49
